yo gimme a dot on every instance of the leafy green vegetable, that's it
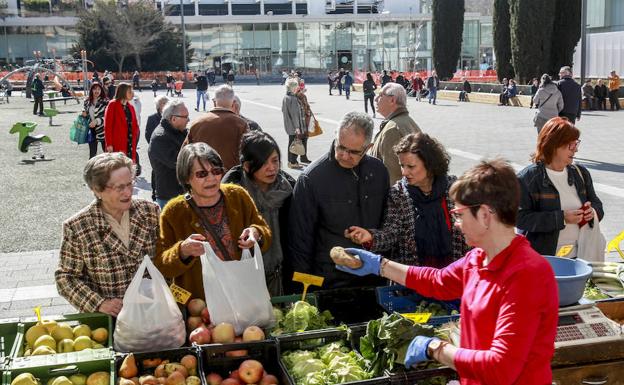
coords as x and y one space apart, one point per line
387 339
593 292
301 317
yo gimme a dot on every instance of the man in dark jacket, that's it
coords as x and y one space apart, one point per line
348 83
37 92
110 88
385 79
152 122
433 83
163 150
341 73
571 92
343 188
201 83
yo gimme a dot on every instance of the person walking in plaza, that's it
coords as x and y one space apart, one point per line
417 86
601 92
221 128
571 92
109 87
330 81
294 121
210 75
343 188
466 88
392 104
385 78
534 87
93 109
614 88
164 146
105 242
558 199
347 84
341 74
154 86
369 88
121 128
418 228
170 84
224 215
37 93
201 84
271 190
548 102
307 117
230 78
509 298
433 83
588 94
136 81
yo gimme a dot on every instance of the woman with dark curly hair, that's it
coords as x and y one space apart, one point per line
418 229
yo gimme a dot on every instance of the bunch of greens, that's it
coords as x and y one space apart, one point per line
387 339
327 365
301 317
434 308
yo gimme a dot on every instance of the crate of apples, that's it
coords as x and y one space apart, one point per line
248 372
157 371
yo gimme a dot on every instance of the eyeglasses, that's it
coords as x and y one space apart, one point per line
216 171
182 116
342 149
456 212
574 145
119 188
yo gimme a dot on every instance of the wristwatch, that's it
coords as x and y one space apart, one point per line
434 345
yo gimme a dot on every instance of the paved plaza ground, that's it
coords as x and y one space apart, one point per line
36 198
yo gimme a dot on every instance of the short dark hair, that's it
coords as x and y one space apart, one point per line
430 151
493 183
256 147
556 132
199 151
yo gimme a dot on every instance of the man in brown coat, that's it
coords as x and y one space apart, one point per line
391 103
221 128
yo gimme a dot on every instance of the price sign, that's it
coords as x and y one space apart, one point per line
307 280
419 318
564 250
181 296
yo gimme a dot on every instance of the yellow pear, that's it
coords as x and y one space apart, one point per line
82 330
50 380
129 367
61 332
49 324
24 379
65 346
62 380
45 340
99 335
78 379
43 350
98 378
35 332
82 343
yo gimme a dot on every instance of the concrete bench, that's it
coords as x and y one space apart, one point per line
485 97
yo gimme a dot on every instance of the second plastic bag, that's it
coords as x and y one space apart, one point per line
150 319
236 291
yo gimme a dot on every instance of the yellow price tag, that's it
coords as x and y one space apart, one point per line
38 313
564 250
614 244
181 296
419 318
307 280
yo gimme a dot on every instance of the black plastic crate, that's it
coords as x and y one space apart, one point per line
214 359
400 299
314 339
173 355
350 305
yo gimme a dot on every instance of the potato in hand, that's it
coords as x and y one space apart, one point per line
342 258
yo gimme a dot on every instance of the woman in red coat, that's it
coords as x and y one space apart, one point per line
121 129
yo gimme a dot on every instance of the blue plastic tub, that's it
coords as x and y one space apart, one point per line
571 275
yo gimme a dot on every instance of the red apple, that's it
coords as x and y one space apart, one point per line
193 322
234 375
231 381
205 316
196 306
269 379
214 379
201 335
250 371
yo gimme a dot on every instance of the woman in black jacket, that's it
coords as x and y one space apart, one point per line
94 108
369 87
271 189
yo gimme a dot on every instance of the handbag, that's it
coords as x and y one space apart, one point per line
79 130
297 148
591 242
314 129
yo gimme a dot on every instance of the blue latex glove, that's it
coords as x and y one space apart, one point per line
417 351
370 263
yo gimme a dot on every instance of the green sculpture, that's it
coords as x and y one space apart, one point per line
25 140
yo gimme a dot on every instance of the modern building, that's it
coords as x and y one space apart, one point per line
268 35
605 39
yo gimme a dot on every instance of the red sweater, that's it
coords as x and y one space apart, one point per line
509 313
116 128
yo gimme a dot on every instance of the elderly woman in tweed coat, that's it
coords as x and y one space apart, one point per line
418 228
105 242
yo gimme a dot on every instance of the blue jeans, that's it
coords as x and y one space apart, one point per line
432 94
162 202
347 90
201 95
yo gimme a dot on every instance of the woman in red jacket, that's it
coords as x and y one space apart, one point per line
121 129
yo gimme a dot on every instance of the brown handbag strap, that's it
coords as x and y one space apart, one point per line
208 227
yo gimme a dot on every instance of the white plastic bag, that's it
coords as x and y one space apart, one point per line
591 242
236 291
150 319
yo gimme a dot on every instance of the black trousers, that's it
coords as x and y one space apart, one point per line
601 103
369 99
292 158
93 148
38 104
613 99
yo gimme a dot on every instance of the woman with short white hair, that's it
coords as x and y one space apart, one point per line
294 122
